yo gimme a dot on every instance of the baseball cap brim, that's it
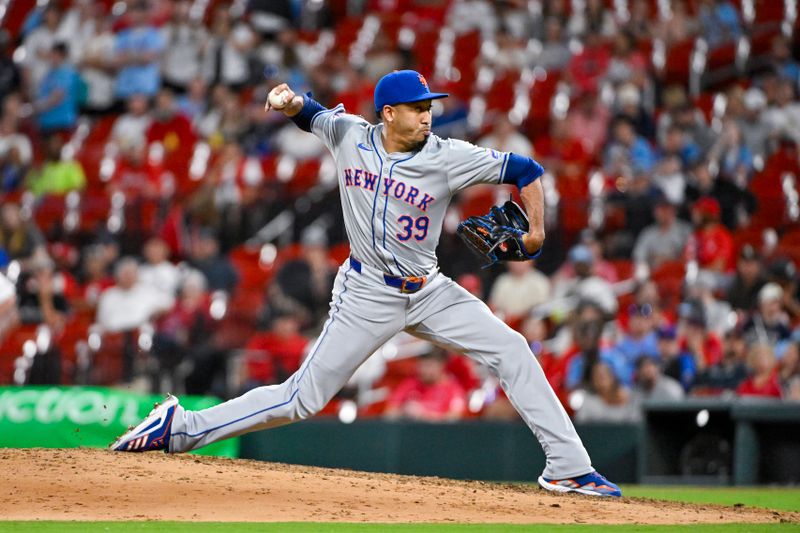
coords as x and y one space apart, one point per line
420 98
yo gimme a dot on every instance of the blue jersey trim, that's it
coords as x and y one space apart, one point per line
375 197
385 205
503 167
294 380
521 171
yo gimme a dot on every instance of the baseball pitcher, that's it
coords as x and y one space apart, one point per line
396 179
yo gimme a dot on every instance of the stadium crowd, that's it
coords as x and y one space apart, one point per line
159 229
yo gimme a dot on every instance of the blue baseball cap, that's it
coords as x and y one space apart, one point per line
403 87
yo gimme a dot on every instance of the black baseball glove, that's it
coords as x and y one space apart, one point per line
497 237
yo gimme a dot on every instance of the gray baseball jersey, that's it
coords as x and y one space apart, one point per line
394 206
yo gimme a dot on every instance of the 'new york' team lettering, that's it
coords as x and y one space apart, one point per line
356 177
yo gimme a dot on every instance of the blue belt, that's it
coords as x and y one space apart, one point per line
407 285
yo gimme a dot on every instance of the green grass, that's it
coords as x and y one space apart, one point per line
216 527
769 498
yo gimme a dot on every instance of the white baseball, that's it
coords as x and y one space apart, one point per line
279 100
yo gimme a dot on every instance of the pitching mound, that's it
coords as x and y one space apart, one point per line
90 484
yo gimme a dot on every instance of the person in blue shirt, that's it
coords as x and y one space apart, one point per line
639 342
138 50
57 96
720 22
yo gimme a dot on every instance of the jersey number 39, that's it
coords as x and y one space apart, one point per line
409 226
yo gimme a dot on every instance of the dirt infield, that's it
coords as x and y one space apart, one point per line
90 484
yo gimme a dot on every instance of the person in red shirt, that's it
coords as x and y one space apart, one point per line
274 355
764 380
431 395
711 245
173 131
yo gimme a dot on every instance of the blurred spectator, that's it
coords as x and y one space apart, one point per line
731 155
56 175
506 138
679 27
719 22
629 105
783 272
194 103
606 400
130 129
638 23
678 153
711 244
42 301
628 151
588 67
572 369
782 61
651 384
769 324
38 45
232 186
753 124
205 257
139 49
97 64
730 371
718 313
303 286
516 292
594 17
10 78
94 278
226 56
784 115
677 364
640 341
586 285
40 298
665 240
555 54
627 65
79 24
137 175
20 239
432 395
704 345
743 291
129 304
9 317
16 153
763 380
184 333
59 93
734 201
185 40
274 355
563 154
600 266
225 121
588 121
168 127
789 373
157 271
